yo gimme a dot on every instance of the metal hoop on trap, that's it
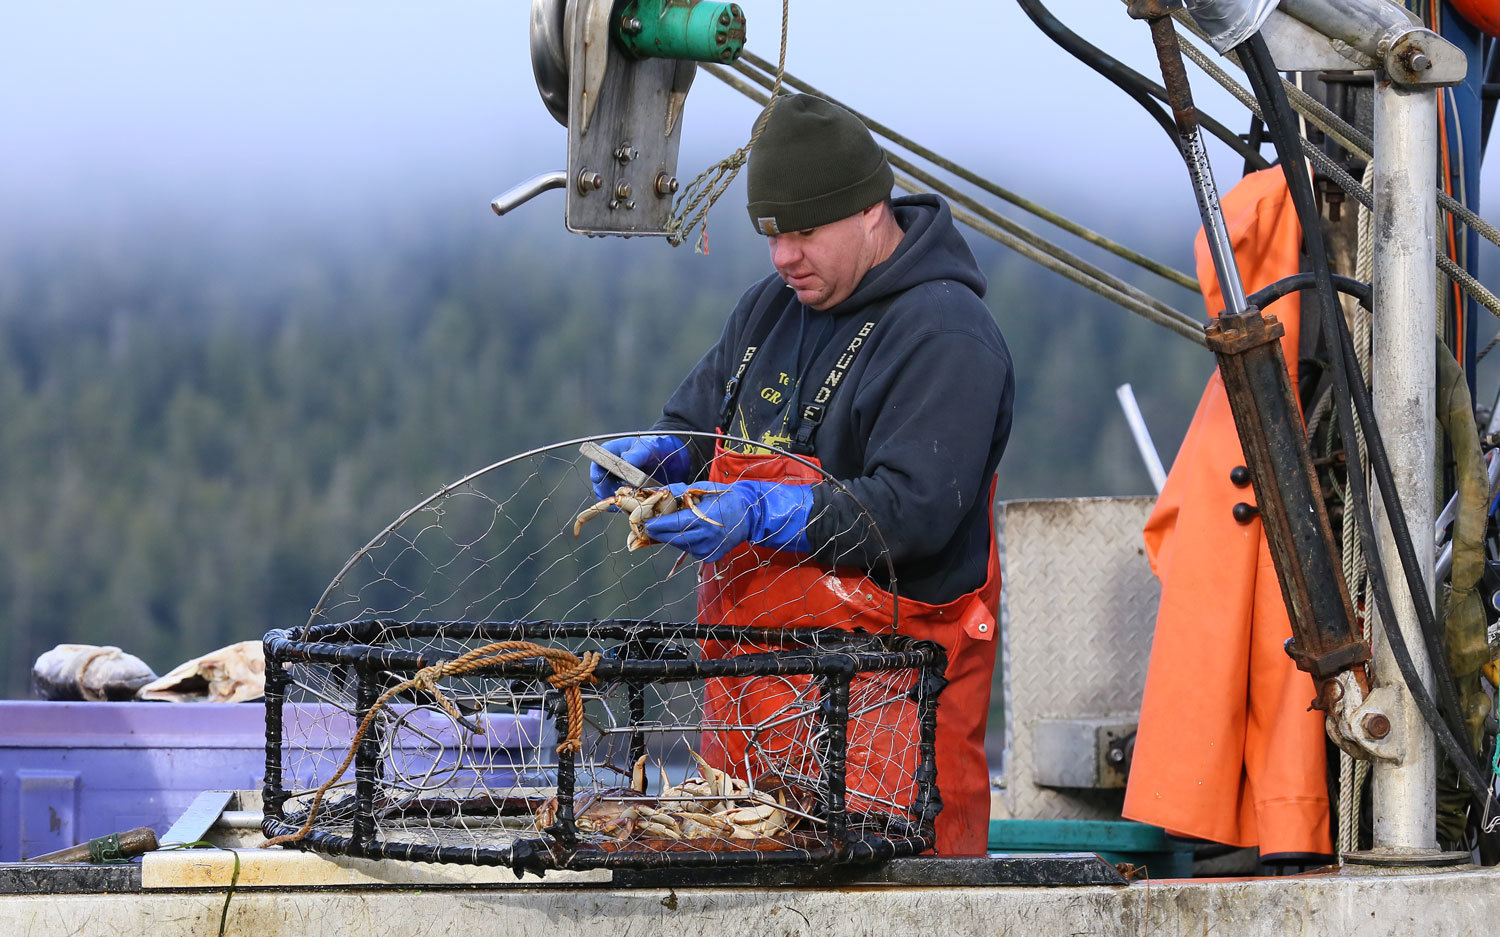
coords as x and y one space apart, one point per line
571 445
377 745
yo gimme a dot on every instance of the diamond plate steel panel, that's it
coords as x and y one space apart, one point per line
1077 613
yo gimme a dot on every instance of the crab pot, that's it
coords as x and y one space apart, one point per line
699 744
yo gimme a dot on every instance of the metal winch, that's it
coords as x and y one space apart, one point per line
617 76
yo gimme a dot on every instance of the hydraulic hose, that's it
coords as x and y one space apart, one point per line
1145 91
1297 282
1445 733
1266 83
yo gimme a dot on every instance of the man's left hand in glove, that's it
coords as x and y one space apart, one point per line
762 513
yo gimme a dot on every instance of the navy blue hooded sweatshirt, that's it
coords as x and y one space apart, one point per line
914 428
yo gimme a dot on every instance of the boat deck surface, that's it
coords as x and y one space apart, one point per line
182 894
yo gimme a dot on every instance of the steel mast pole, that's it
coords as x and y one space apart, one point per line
1403 379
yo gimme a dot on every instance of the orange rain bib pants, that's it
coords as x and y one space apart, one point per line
758 587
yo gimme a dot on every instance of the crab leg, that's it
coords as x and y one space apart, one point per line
690 501
592 512
624 498
712 820
658 822
718 781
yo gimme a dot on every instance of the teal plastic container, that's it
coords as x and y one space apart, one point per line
1116 841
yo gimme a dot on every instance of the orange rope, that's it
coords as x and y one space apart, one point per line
568 674
1458 298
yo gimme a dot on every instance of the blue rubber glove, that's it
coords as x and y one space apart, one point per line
664 458
763 513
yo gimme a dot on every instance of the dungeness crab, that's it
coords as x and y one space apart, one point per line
642 504
710 811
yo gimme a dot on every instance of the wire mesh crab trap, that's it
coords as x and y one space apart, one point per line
492 680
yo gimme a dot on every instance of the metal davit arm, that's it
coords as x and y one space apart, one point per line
1268 421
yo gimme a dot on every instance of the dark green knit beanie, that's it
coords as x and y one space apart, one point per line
814 163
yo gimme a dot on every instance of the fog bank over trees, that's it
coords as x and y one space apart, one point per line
202 420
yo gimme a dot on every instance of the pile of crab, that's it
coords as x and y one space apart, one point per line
714 810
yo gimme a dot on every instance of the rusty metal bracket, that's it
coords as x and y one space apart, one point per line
1369 727
1338 659
1269 424
1289 501
1151 9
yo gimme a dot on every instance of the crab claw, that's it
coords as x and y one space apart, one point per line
689 500
712 775
703 766
638 776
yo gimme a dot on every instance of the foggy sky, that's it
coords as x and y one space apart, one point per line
334 109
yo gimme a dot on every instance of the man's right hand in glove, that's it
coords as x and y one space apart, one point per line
665 458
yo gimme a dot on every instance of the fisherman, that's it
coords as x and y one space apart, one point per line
871 353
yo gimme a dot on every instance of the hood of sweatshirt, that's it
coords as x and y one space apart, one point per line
932 249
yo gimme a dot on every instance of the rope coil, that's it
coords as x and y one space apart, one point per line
569 672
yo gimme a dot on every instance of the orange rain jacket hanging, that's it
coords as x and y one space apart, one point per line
1227 749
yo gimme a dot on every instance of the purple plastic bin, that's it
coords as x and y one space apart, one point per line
72 771
425 750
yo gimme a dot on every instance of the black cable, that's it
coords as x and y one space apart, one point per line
1297 282
1448 737
1254 139
1132 82
1283 128
1265 81
1127 79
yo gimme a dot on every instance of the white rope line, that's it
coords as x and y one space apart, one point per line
1352 772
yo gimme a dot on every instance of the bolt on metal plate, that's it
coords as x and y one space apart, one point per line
632 139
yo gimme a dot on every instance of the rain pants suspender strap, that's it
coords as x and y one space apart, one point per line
762 323
811 416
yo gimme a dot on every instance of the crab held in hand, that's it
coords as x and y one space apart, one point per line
642 504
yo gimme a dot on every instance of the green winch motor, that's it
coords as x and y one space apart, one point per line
695 30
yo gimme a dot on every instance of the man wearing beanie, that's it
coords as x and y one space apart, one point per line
870 353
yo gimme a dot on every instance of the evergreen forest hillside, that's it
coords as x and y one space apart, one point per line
197 428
